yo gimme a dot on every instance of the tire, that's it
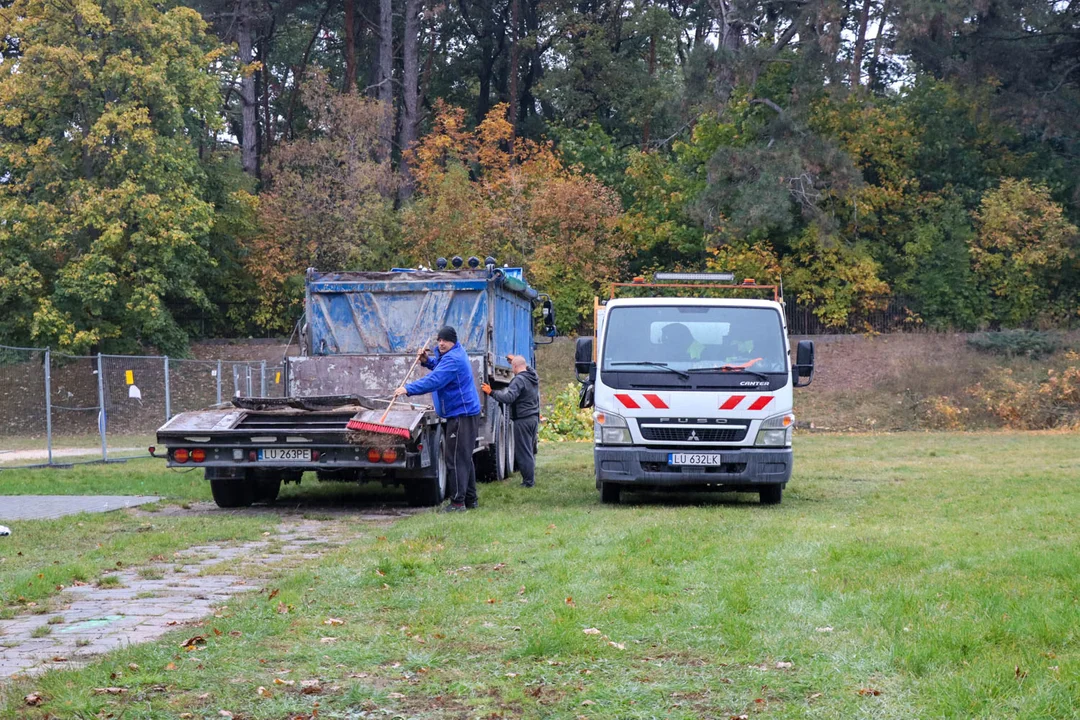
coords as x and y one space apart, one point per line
771 494
231 492
500 444
487 462
610 493
266 490
509 446
426 492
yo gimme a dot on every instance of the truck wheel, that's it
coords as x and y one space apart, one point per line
509 446
610 493
771 494
489 463
425 492
266 491
231 492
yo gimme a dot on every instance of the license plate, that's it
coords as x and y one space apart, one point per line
291 454
695 459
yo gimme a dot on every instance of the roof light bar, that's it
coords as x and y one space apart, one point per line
713 277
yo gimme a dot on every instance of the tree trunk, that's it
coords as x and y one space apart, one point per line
645 131
264 73
515 60
410 80
386 70
860 44
248 105
879 40
350 47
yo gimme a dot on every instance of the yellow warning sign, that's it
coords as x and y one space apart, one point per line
277 378
129 377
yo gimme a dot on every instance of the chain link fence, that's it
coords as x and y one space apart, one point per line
58 409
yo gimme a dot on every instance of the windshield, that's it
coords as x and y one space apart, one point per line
694 338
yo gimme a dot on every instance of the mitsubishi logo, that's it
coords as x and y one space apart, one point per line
693 435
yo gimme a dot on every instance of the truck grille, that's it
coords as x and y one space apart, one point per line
683 434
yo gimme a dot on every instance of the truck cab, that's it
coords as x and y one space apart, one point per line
692 393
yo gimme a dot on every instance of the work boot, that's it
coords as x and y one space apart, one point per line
472 506
454 507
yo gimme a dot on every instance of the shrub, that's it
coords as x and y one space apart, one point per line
1050 403
940 412
1013 343
564 420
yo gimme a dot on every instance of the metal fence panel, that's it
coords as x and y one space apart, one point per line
24 420
135 395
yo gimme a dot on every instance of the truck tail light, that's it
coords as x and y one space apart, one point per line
315 455
373 455
198 455
253 455
180 455
389 455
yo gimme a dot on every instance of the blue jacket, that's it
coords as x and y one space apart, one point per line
451 381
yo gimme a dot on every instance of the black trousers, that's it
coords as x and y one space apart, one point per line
525 448
459 440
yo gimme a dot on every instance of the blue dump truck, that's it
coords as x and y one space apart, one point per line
359 337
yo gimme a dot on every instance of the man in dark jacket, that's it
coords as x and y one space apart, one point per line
523 397
456 399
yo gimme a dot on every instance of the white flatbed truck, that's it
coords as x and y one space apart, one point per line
692 393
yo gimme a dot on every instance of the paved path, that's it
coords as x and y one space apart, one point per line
155 599
18 456
45 507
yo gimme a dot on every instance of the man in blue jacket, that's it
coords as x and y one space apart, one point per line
451 383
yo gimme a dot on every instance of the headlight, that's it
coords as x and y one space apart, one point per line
610 429
776 431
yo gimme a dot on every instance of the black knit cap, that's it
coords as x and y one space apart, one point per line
447 333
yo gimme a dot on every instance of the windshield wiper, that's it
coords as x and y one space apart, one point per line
665 366
731 369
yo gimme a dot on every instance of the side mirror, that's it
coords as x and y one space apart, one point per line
547 315
585 396
802 373
583 356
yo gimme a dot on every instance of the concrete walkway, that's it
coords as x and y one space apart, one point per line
150 601
46 507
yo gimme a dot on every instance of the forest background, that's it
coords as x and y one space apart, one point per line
168 171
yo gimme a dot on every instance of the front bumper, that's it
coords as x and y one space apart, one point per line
647 467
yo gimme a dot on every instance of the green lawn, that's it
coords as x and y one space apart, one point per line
904 576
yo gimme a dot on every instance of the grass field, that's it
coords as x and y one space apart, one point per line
904 576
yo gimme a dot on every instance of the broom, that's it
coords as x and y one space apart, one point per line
379 427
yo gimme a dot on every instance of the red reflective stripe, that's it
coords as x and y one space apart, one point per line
627 401
656 402
760 403
732 402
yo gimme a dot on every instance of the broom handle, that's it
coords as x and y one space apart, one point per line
394 399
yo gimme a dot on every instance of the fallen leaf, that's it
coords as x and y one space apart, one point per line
170 666
781 665
498 566
618 646
814 696
110 691
511 675
273 593
311 687
588 702
379 572
333 621
235 633
869 691
225 713
591 631
263 692
204 696
491 601
33 699
395 695
570 601
59 658
186 716
192 642
132 667
328 640
826 629
1020 674
283 608
172 622
279 681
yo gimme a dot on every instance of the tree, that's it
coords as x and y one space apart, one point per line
478 193
1022 242
105 228
327 204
